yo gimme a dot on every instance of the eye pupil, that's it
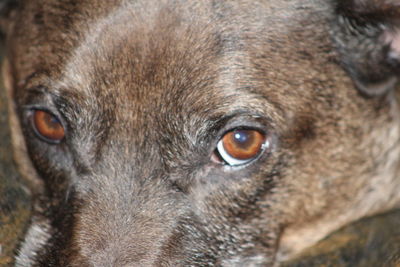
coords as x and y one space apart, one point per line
51 121
47 126
243 138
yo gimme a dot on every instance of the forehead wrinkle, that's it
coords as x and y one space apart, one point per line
101 36
96 61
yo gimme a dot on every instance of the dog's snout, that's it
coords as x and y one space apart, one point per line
128 227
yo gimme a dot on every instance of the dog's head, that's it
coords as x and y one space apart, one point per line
201 133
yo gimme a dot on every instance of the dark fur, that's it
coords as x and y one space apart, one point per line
146 89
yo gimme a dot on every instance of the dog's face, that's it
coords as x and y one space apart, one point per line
187 133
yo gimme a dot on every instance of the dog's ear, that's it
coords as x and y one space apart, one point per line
6 10
367 35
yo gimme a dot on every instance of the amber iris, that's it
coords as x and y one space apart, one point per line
243 144
47 126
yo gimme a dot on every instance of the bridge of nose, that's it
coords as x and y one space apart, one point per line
123 221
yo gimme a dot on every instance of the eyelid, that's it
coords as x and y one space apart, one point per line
243 125
31 107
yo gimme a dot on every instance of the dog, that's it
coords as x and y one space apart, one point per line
200 133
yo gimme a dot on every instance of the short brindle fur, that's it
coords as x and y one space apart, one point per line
145 90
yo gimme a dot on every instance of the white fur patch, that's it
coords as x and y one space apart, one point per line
37 236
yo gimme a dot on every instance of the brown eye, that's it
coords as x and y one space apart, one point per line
241 146
47 126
